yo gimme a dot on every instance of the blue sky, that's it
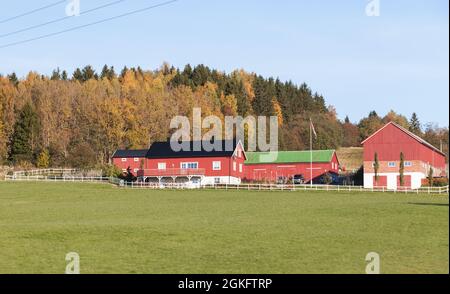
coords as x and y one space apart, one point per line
398 60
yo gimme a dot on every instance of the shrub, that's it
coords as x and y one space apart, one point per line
437 182
110 170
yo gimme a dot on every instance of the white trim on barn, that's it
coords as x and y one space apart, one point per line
416 179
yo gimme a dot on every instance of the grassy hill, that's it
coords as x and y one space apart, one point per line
350 157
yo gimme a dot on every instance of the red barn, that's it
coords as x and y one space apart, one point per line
270 166
162 164
419 157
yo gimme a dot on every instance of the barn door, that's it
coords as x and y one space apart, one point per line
406 181
382 181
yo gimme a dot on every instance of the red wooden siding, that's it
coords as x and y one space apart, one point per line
406 181
382 181
389 142
271 171
204 163
129 162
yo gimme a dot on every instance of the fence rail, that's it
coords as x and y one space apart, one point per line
44 178
248 187
52 171
276 187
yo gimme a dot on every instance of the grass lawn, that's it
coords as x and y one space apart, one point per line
147 231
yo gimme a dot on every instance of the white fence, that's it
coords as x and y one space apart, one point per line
46 171
276 187
45 178
62 172
248 187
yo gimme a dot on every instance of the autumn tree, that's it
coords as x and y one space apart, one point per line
95 114
3 147
368 125
43 159
399 119
350 133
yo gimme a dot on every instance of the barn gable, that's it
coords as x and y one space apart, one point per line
392 133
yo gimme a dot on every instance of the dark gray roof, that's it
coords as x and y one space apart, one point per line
130 153
164 150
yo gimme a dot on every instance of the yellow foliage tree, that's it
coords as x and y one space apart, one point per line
278 111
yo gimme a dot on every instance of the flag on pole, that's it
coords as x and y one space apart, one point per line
311 131
312 128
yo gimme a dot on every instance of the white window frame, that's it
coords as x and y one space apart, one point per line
189 165
124 160
240 167
217 165
408 164
392 164
162 165
234 165
136 159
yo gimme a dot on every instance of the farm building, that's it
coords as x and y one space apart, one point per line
264 166
387 144
132 159
162 164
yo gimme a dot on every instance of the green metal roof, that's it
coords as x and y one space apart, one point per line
289 156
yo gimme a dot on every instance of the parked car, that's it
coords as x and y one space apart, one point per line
298 179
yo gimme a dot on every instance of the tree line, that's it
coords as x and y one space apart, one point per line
81 119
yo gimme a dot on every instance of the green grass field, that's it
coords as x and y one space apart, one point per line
146 231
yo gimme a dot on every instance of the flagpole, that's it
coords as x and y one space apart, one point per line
310 151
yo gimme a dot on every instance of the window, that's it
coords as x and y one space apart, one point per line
240 167
136 170
124 170
216 180
234 166
161 165
136 159
189 165
124 160
217 165
391 164
408 163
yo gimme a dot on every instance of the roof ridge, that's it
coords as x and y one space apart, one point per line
322 150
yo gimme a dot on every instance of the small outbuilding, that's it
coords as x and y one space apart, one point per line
272 166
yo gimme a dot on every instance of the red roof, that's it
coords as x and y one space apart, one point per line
412 135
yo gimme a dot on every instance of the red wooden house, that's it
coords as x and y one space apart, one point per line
271 166
419 157
162 164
